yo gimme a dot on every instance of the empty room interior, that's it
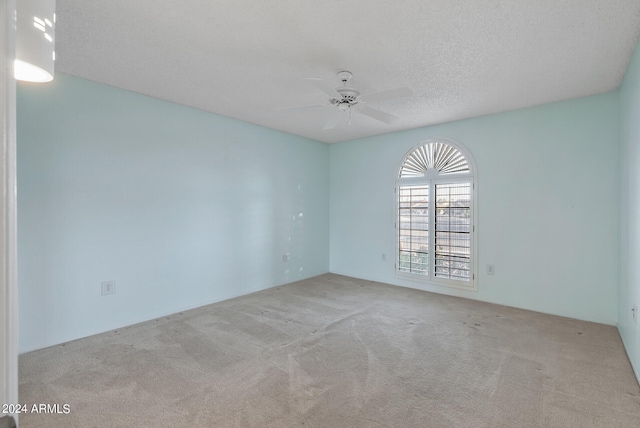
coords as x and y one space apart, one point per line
332 214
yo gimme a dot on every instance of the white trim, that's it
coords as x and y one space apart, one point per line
8 247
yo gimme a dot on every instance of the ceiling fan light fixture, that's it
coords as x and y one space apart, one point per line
35 40
348 99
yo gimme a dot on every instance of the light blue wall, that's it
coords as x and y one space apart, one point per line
629 291
183 208
547 208
180 207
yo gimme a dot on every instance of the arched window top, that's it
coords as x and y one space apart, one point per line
434 158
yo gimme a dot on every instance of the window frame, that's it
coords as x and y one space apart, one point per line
432 178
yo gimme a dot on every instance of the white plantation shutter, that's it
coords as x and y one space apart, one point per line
435 226
413 229
453 230
437 156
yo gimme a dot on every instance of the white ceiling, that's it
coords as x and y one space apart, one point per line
245 59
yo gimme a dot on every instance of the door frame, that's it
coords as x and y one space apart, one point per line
8 213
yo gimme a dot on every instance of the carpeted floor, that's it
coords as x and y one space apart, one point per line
334 351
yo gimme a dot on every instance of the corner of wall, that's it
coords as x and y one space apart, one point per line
629 212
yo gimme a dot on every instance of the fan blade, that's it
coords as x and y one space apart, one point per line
332 122
387 118
322 85
303 107
386 95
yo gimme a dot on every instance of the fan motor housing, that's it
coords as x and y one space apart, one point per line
349 96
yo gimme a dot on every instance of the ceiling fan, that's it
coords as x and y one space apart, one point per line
348 99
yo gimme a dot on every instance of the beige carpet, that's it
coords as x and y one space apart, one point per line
336 352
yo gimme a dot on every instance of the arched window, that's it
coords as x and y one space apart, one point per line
435 227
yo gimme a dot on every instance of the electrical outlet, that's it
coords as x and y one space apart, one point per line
384 257
491 269
108 287
286 257
634 310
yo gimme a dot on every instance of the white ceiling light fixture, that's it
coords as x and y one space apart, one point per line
35 40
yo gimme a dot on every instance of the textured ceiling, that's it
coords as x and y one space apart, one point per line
245 59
